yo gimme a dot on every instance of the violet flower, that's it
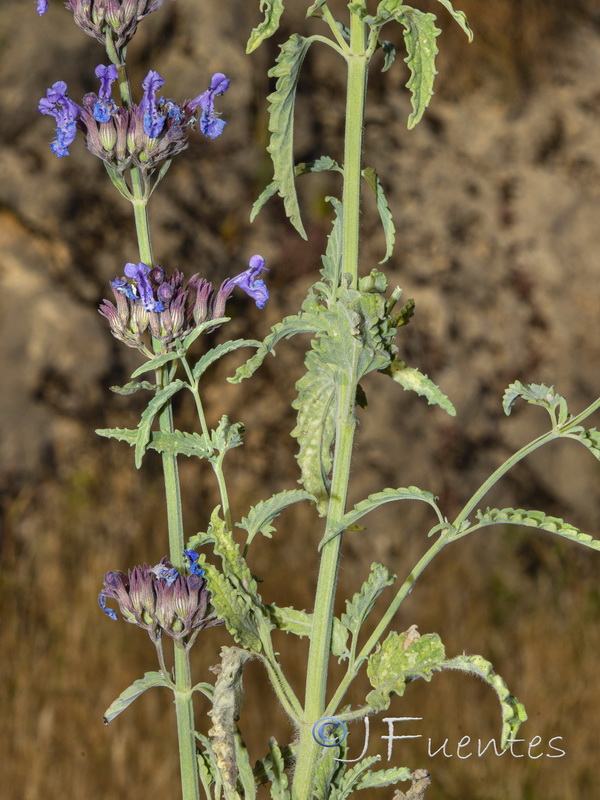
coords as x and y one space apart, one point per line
66 113
105 107
154 121
42 7
248 281
148 301
160 599
210 123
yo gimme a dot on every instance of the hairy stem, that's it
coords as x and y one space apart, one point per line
316 682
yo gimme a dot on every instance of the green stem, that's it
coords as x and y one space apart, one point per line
383 623
183 682
320 644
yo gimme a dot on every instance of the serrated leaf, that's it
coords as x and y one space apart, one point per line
389 230
155 363
411 378
227 435
536 519
420 40
361 605
160 399
590 438
233 608
315 426
272 9
513 712
288 327
351 778
137 688
333 257
173 443
133 386
537 394
329 770
299 623
377 499
203 327
383 777
460 17
275 766
322 164
399 658
281 123
261 515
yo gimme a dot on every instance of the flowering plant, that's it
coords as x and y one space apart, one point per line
354 321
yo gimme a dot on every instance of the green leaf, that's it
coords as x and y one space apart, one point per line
591 439
160 399
281 123
264 766
272 9
513 712
402 657
383 777
218 352
377 499
411 378
370 175
261 515
203 327
420 40
227 435
288 327
132 692
173 443
315 7
299 623
275 766
389 54
234 608
536 519
361 605
119 182
350 780
133 386
537 394
460 17
155 363
333 258
322 164
315 426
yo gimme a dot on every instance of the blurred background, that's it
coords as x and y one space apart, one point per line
496 197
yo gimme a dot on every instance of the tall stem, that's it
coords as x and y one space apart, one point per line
318 660
184 708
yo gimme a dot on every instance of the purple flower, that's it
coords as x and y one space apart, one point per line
210 123
248 281
192 557
160 599
42 7
141 289
66 113
105 107
154 121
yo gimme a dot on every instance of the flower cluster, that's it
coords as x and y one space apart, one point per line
143 135
160 599
149 301
117 19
